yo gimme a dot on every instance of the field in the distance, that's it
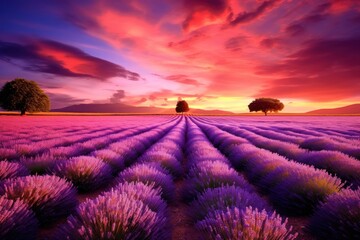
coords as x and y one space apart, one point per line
179 177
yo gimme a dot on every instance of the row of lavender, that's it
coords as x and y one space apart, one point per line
33 129
29 201
292 187
136 207
135 204
334 134
223 205
334 162
47 161
48 137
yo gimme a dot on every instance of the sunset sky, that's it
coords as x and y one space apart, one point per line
215 54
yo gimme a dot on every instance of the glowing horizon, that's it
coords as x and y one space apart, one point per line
218 54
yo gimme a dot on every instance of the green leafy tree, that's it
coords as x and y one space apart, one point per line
24 96
266 105
182 106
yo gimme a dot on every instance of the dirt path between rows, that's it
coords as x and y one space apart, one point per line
182 227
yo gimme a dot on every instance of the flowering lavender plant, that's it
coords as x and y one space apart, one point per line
338 217
148 194
39 164
248 224
86 173
115 160
114 215
222 198
149 174
48 196
304 190
16 220
11 170
208 174
167 161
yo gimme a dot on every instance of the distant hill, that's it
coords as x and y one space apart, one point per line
351 109
123 108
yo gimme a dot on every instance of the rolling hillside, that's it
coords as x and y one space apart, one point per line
351 109
123 108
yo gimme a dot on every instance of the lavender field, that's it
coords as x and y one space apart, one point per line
179 177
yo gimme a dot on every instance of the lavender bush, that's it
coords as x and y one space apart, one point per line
114 216
124 149
39 164
316 143
48 196
170 147
208 174
148 174
248 224
304 190
338 163
17 222
11 170
167 161
338 217
86 173
222 198
65 152
115 160
6 153
148 194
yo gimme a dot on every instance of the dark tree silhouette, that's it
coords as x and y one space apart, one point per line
182 106
24 96
266 105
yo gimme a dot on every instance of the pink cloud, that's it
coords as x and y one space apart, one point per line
218 48
39 55
248 16
202 13
323 70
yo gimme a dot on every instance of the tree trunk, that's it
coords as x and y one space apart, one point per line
22 112
265 113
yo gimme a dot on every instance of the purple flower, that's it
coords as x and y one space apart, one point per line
11 170
222 198
148 174
322 143
126 149
114 215
65 152
208 174
112 158
303 190
338 217
86 173
39 164
16 220
247 224
48 196
342 165
147 193
6 153
167 161
95 143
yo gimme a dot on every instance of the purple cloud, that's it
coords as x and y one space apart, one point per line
60 59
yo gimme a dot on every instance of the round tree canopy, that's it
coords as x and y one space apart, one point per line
24 96
182 106
266 105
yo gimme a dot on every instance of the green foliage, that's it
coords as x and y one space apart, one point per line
24 96
266 105
182 106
